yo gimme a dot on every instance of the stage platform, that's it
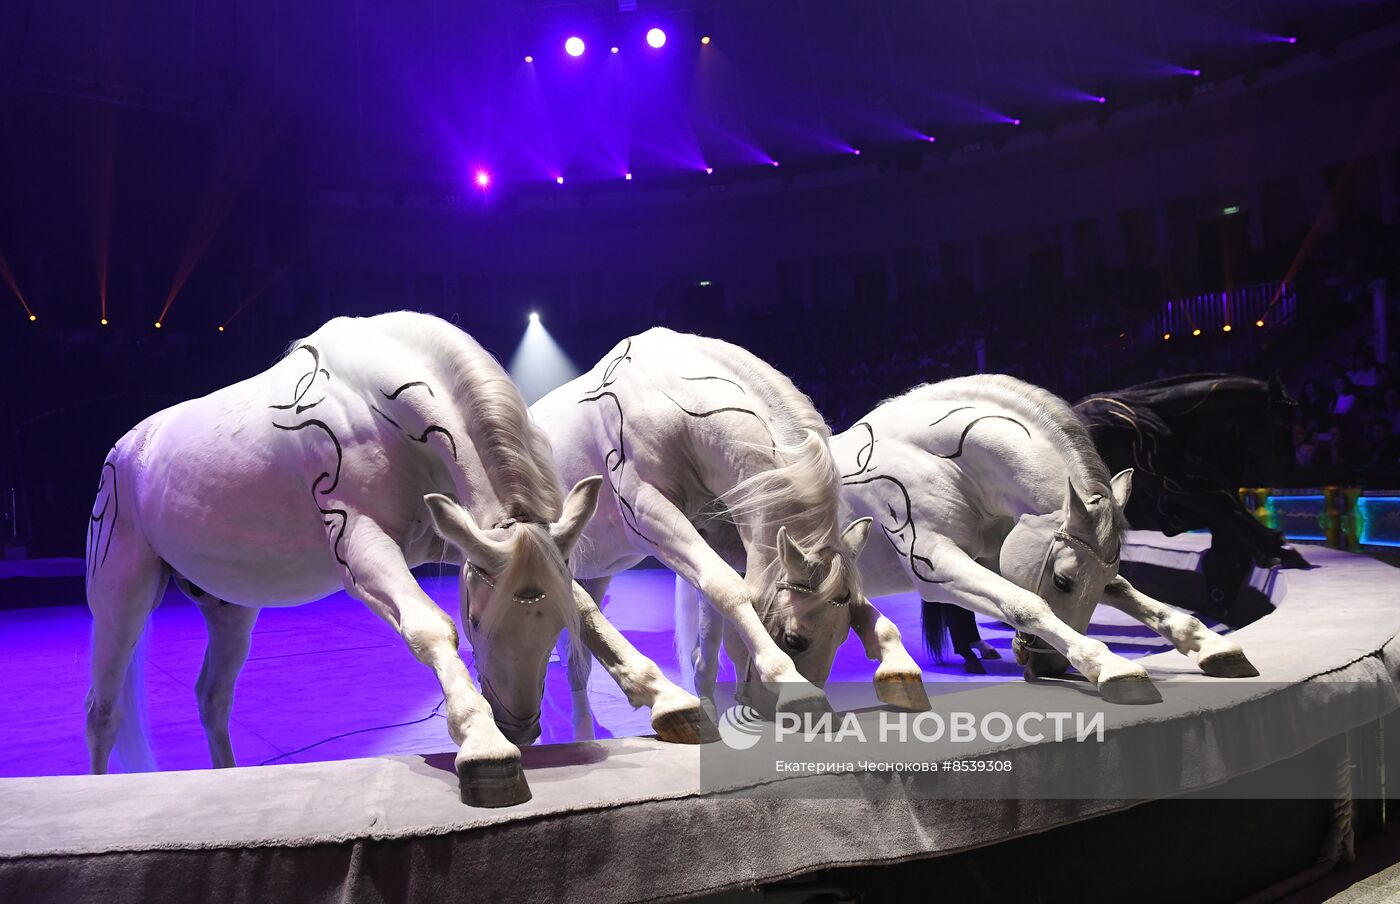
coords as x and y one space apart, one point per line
628 819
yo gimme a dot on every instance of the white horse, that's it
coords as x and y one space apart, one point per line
700 439
330 470
991 495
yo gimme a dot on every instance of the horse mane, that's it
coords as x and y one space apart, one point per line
1203 393
804 476
1058 422
515 454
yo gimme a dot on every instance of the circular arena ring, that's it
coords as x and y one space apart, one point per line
1226 789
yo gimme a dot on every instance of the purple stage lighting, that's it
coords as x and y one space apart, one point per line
1195 73
656 38
709 170
1100 100
614 49
627 176
559 179
1289 39
930 138
774 162
529 59
483 179
1015 122
855 151
574 46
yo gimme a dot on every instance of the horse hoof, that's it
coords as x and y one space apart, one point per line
990 652
973 666
804 699
688 725
903 691
1134 690
492 784
1228 664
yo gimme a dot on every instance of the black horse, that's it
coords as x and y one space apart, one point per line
1191 441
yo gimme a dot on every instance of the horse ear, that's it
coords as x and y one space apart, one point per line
1122 486
580 505
455 525
1076 512
794 560
854 537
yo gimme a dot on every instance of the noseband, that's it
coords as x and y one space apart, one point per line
1023 644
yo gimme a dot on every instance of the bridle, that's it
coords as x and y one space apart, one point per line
1023 644
490 582
803 588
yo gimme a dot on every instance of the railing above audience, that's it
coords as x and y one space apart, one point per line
1243 308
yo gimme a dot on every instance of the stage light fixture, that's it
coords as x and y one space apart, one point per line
1258 323
1195 73
529 59
1196 331
855 151
559 179
32 318
1100 99
534 316
1226 328
614 49
656 38
930 139
157 324
628 177
1290 40
1015 122
705 39
483 179
774 162
104 321
709 170
221 329
1166 336
574 46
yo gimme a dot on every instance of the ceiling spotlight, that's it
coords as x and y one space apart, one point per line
157 324
559 179
574 46
483 179
1226 328
221 329
855 151
1196 331
1195 73
534 316
614 49
1166 335
930 138
104 321
1290 40
1100 99
709 170
529 59
705 39
1015 122
774 162
32 318
1259 323
628 177
656 38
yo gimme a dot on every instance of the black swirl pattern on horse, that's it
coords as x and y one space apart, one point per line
98 521
427 431
902 532
968 429
616 458
306 382
334 519
865 453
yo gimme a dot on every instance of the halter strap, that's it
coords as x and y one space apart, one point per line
490 582
1023 644
803 588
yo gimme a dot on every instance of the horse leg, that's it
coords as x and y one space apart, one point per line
974 587
488 765
580 664
230 633
680 547
899 681
124 586
676 716
1217 656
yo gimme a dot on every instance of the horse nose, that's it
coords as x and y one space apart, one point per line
795 642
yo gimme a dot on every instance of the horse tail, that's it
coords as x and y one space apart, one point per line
132 745
688 603
935 631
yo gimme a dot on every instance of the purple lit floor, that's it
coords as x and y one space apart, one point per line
328 668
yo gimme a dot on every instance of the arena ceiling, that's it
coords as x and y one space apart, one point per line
435 92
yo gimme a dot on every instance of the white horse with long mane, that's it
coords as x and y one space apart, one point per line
331 470
990 494
701 440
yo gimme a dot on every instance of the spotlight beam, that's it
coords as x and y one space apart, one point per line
9 278
539 364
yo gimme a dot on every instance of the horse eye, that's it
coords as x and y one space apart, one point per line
1063 584
843 601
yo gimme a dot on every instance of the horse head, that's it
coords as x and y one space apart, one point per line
516 596
1067 558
